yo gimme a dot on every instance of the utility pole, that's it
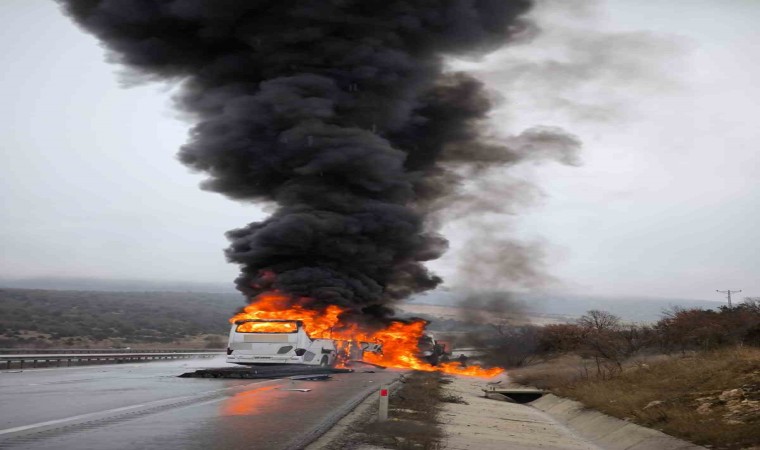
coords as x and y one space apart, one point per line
728 294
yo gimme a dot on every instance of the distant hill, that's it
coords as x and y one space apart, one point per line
37 317
40 317
111 285
633 309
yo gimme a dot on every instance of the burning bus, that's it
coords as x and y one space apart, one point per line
275 328
284 341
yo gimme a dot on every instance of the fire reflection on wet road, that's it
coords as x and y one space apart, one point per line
247 402
145 406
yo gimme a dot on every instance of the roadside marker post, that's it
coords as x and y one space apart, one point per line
382 415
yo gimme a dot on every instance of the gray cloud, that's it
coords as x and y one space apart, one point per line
574 67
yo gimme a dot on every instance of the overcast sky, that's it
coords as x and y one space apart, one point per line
665 99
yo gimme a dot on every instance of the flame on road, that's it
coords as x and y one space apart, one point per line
399 339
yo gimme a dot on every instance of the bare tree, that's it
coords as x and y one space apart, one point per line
596 320
603 341
516 345
751 304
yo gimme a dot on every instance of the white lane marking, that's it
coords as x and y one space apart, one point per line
67 419
214 400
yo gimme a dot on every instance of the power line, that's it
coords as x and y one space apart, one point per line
728 294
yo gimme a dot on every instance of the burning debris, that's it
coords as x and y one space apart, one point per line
341 114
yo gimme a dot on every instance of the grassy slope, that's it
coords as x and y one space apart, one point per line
710 398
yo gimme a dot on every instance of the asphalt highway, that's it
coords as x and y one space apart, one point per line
145 406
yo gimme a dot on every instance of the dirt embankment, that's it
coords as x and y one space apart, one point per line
710 398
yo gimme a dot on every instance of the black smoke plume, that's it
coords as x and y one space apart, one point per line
340 112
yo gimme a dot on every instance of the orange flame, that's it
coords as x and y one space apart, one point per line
399 340
267 327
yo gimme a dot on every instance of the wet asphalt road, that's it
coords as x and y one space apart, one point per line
145 406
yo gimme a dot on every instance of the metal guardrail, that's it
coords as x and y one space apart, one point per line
58 360
49 351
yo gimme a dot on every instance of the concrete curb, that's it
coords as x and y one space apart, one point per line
606 431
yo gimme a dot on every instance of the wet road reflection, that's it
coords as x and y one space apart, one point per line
246 403
147 407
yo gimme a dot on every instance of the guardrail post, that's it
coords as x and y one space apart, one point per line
382 414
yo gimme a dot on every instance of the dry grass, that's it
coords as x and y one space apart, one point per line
549 374
693 396
413 411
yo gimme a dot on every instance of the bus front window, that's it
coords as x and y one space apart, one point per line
267 327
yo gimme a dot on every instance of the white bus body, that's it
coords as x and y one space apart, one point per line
288 345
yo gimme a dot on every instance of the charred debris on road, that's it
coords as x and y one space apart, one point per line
269 371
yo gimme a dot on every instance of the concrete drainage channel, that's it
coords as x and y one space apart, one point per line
606 431
513 395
